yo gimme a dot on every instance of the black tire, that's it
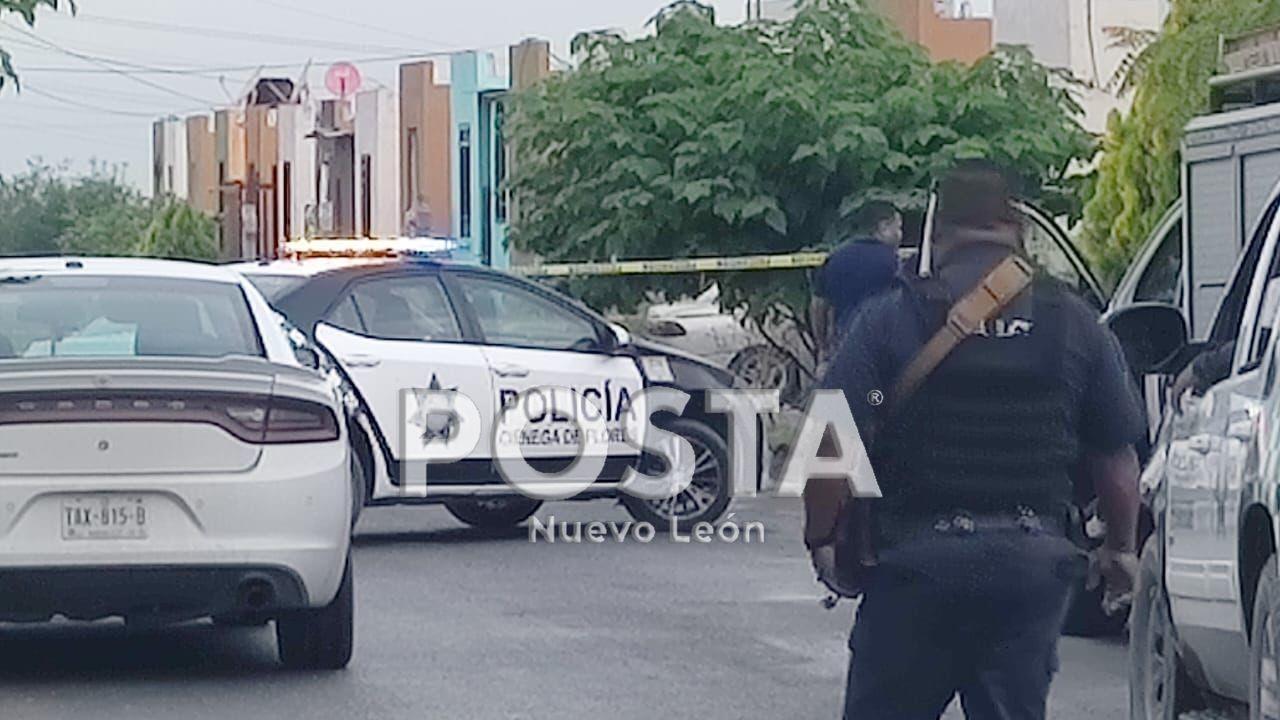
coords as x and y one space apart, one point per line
493 513
1264 645
767 368
1159 687
320 638
707 498
359 487
1085 617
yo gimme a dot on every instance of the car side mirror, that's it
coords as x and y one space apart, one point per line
308 357
1152 335
621 336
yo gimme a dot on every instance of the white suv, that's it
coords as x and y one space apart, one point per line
165 455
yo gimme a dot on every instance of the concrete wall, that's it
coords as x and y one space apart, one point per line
1042 25
471 74
202 164
425 145
1059 33
229 130
260 213
377 146
296 189
169 158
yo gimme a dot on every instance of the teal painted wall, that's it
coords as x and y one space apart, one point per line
472 75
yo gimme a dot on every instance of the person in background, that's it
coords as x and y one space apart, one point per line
857 270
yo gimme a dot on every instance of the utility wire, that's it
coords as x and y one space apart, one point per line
61 131
26 88
347 21
107 65
249 68
207 32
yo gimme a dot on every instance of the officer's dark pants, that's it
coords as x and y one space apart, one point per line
976 614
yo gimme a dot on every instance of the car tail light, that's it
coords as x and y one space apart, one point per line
257 419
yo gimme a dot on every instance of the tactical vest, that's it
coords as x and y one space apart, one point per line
993 428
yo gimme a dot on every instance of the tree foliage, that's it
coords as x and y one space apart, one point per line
1138 177
705 140
179 232
25 9
47 211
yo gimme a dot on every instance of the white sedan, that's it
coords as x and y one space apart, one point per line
167 454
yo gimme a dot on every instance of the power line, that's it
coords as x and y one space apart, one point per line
206 32
109 66
347 21
26 88
250 68
59 130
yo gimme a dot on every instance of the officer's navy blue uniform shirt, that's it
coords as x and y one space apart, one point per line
885 335
856 271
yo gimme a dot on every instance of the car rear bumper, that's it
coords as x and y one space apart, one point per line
36 594
288 520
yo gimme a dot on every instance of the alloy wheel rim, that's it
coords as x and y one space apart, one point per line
702 491
765 371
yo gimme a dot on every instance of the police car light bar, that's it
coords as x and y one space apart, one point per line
433 248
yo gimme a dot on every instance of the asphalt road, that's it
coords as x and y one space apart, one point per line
458 623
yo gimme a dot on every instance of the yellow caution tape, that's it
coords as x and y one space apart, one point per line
671 267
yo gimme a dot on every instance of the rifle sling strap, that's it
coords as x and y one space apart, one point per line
984 303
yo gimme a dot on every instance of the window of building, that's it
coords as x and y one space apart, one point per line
413 162
287 190
500 162
464 181
366 196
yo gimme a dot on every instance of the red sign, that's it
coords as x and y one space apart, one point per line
342 79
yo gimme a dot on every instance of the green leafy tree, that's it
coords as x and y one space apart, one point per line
705 140
179 232
48 211
104 217
25 9
1138 177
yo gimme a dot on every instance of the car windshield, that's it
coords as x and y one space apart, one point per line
91 316
274 287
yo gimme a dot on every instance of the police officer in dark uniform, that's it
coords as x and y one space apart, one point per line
972 560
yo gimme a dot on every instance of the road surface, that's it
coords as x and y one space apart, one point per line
459 623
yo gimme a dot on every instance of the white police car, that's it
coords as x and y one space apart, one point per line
406 323
165 455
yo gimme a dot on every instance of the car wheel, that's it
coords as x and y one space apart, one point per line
1085 616
767 368
359 487
1159 688
493 513
320 638
707 497
1264 647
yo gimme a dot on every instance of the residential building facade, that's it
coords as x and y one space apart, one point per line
1073 35
426 158
947 29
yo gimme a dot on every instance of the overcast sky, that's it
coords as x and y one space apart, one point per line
77 108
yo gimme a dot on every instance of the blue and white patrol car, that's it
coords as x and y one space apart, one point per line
393 322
